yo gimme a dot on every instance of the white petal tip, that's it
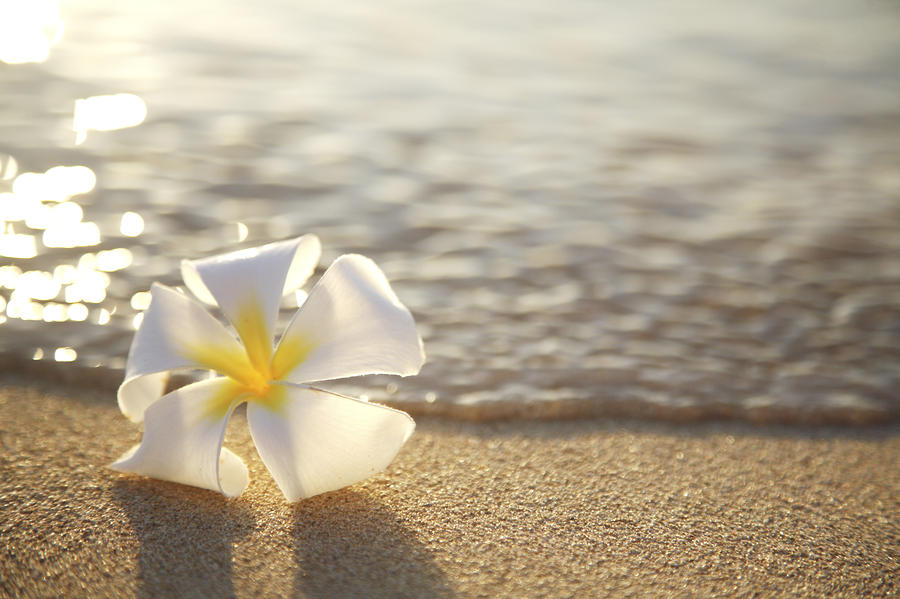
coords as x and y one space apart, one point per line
312 242
134 416
410 432
414 369
121 464
233 474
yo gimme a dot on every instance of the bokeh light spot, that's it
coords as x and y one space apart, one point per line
107 113
28 29
65 354
78 312
112 260
140 300
132 224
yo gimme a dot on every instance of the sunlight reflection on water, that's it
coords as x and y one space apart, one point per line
131 224
42 201
16 245
28 29
48 206
107 113
65 354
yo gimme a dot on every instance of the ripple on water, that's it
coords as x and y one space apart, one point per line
603 210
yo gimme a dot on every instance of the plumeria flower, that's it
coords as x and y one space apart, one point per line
311 440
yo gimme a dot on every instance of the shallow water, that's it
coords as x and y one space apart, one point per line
591 208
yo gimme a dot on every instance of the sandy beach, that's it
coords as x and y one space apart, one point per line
527 509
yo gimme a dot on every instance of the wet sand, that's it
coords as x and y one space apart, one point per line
528 509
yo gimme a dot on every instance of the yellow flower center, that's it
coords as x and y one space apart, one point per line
251 370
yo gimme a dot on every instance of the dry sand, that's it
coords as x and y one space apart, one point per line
522 509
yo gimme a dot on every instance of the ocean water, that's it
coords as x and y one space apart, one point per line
655 209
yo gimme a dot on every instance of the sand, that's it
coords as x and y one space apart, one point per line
521 509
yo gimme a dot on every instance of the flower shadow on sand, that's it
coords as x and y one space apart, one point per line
183 533
348 544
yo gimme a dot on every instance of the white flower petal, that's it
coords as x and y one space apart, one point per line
351 324
307 251
183 434
176 332
306 258
314 441
248 285
138 392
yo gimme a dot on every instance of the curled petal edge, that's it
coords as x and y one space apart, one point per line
183 436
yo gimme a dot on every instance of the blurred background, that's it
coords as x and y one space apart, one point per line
664 209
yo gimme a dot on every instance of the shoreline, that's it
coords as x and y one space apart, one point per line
521 508
81 378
